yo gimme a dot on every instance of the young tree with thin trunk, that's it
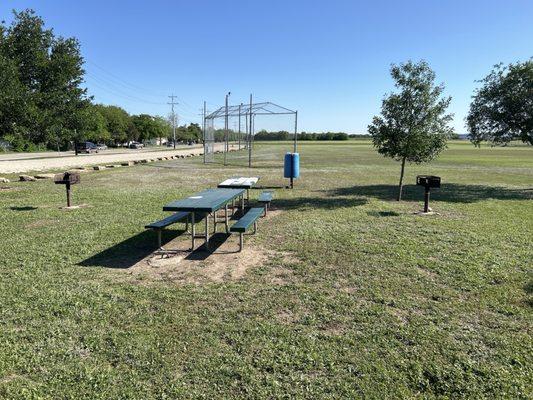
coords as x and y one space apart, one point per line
413 125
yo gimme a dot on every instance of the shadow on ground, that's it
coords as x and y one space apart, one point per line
383 214
215 242
301 203
450 192
132 250
23 208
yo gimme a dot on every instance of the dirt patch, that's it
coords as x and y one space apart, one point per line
280 275
39 223
333 329
221 265
286 317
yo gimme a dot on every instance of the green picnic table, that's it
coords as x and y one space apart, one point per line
207 202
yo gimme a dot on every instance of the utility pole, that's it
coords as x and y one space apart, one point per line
172 103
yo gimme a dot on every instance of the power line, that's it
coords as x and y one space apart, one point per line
136 87
117 92
115 80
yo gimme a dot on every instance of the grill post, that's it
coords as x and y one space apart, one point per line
67 179
68 193
426 199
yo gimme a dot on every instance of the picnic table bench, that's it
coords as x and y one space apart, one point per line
158 226
265 198
245 222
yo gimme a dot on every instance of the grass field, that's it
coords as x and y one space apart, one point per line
354 295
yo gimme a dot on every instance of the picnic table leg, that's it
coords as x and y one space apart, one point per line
242 203
215 222
192 230
226 218
241 240
207 232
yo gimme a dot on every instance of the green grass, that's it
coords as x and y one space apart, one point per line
374 301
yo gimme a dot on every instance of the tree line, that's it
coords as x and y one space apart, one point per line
285 135
43 103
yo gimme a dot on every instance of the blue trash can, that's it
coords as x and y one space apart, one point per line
291 166
295 165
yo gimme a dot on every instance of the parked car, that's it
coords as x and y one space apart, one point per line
170 144
136 145
86 147
101 146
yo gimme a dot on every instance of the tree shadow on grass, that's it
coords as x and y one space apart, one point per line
23 208
302 203
383 214
129 252
449 192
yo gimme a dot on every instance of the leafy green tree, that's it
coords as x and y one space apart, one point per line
150 127
502 109
194 132
12 100
413 125
95 128
48 104
117 122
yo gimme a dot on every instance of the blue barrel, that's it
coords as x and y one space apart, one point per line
291 166
287 166
295 165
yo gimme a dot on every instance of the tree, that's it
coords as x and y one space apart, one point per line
47 105
413 126
194 132
150 127
502 109
117 122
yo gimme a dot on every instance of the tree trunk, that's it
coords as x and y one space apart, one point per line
400 186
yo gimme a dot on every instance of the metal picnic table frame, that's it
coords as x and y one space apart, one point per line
207 202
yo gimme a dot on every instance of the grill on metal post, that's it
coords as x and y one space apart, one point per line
428 181
67 179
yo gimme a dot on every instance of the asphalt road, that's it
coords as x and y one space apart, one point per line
25 162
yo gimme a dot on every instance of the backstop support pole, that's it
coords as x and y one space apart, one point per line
295 131
250 136
205 137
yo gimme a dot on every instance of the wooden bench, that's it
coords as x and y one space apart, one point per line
265 198
158 226
245 222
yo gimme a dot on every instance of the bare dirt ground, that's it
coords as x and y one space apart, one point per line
13 165
222 264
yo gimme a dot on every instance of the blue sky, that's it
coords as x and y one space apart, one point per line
329 60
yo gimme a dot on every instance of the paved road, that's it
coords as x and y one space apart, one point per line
17 163
55 154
